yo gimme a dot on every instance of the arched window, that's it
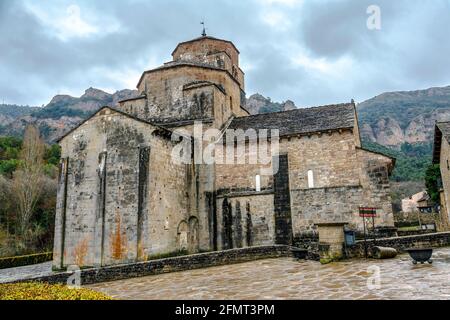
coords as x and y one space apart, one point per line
310 179
258 183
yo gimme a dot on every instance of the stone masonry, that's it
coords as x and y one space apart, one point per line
441 156
122 197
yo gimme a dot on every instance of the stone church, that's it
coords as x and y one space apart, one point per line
122 198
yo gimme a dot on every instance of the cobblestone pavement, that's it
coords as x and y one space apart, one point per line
25 272
286 278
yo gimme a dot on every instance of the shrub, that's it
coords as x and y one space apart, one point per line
7 167
12 262
45 291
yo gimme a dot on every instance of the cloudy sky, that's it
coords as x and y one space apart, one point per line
310 51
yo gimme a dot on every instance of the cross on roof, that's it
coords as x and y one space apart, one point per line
204 29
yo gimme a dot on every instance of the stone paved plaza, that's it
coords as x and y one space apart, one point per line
286 278
25 272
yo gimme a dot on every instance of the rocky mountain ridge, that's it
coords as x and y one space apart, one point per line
60 115
394 118
257 103
390 119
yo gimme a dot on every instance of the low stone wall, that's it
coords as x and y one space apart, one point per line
182 263
19 261
414 232
432 240
309 242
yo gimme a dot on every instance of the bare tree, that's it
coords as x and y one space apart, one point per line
28 178
5 202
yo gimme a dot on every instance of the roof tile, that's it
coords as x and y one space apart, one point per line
300 121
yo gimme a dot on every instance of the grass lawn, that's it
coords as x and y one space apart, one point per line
414 228
45 291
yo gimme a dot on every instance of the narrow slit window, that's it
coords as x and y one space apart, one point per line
310 179
258 183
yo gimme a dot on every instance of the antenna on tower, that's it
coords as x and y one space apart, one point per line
204 29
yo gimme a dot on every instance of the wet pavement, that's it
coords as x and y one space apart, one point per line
25 272
286 278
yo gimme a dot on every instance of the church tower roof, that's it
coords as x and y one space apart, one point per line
204 38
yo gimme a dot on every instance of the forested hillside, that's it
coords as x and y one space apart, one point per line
412 160
400 124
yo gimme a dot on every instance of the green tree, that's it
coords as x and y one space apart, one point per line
7 167
433 181
53 154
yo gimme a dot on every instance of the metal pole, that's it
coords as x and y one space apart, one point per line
365 240
420 221
373 225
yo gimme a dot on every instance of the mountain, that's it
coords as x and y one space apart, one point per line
394 118
390 119
64 112
10 112
400 124
59 116
257 103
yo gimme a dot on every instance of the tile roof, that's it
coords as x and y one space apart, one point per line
204 38
183 63
300 121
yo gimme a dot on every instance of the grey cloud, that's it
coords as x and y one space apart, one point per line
148 30
340 27
410 51
426 46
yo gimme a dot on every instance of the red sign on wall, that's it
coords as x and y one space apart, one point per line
366 212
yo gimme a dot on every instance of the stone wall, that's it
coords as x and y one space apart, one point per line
251 219
308 241
169 99
445 173
445 219
330 156
282 202
331 238
413 232
432 240
221 54
375 170
202 82
121 198
345 177
182 263
241 173
333 204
